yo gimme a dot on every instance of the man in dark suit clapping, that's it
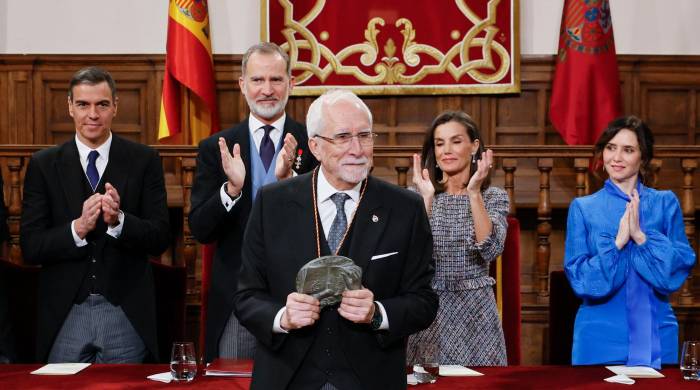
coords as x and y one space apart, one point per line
94 209
231 166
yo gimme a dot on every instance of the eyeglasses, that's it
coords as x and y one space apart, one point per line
344 139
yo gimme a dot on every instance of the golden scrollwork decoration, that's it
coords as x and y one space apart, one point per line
414 63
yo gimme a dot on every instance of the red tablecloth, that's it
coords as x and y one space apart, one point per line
518 377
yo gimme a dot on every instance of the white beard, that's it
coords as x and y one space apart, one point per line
267 111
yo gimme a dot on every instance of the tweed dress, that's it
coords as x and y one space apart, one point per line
467 327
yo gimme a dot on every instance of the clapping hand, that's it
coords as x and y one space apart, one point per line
110 205
629 224
623 230
92 207
421 179
233 166
483 166
635 231
283 165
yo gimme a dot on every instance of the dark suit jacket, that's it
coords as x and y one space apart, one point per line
53 198
6 339
210 222
280 239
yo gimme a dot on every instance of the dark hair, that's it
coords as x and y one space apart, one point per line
644 138
265 48
92 75
428 154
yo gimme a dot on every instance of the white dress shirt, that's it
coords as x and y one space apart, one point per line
101 165
256 134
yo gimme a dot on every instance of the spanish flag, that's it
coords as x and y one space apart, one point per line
188 83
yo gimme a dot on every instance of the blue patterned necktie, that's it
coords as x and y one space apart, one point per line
340 223
91 171
267 149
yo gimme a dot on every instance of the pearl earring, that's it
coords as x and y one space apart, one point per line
473 157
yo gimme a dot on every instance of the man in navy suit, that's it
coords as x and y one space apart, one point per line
94 210
231 167
336 209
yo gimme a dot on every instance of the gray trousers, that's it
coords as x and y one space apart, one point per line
95 331
236 342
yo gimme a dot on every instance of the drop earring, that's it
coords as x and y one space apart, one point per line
474 158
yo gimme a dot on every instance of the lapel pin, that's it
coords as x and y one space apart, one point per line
375 218
297 163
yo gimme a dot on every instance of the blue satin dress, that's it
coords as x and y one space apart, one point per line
625 317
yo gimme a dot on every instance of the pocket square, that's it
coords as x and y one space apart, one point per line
383 255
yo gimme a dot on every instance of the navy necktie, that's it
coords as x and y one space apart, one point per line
340 222
91 170
267 149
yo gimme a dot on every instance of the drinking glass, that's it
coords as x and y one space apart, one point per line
690 360
183 361
428 358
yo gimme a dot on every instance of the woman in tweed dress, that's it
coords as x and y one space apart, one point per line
468 221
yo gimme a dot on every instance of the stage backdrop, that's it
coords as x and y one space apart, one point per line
398 47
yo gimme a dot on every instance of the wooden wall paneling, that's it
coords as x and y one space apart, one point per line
55 124
39 108
231 103
628 72
693 117
517 119
19 105
667 101
15 101
4 107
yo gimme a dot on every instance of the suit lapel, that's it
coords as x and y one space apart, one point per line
71 176
118 167
370 220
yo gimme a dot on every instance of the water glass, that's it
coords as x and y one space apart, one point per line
428 358
183 361
690 360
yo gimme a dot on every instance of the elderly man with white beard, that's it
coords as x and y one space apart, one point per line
232 166
337 209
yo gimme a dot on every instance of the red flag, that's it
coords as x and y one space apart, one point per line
586 86
188 82
189 87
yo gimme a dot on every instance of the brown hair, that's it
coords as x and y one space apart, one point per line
428 154
268 48
92 75
644 138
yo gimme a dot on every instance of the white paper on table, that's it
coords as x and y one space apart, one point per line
60 369
411 379
635 372
457 370
623 379
164 377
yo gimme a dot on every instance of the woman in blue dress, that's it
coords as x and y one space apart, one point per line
626 252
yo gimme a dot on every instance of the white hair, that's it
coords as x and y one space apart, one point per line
314 118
